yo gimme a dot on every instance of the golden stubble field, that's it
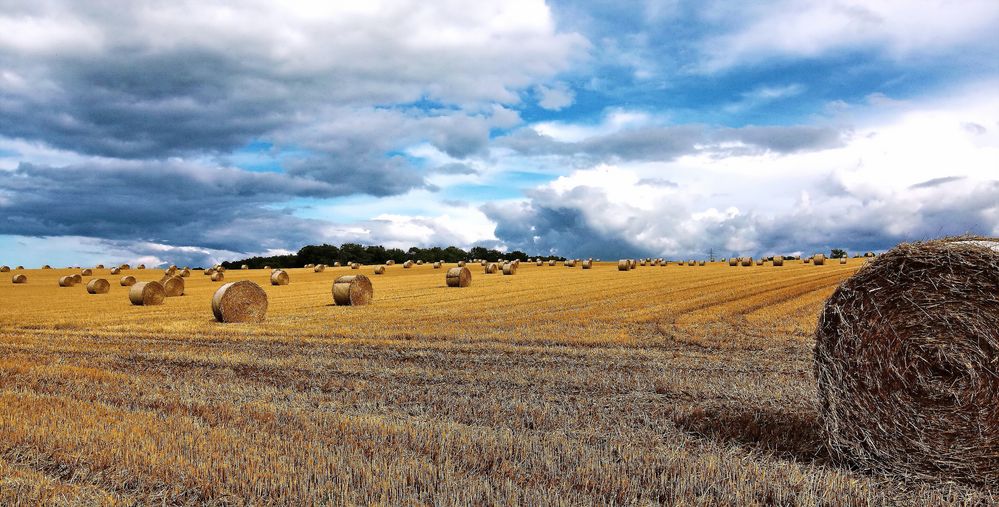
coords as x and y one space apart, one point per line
675 385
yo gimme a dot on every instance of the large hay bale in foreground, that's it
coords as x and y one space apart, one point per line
173 286
907 362
509 269
127 281
67 281
218 276
623 265
459 277
280 277
19 279
146 294
242 301
98 286
352 290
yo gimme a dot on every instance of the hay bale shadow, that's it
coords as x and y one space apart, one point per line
791 435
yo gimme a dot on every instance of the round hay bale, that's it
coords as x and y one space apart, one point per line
391 262
461 264
244 266
509 269
819 259
354 265
778 261
19 268
623 265
587 264
242 301
746 261
208 272
907 362
170 271
691 262
265 267
78 278
733 261
173 286
379 270
700 263
319 268
185 272
86 272
806 260
437 265
459 277
759 262
633 263
551 262
46 267
127 281
483 263
98 286
539 263
218 276
115 270
309 266
125 266
842 260
146 294
407 264
280 277
490 268
19 279
571 263
352 290
99 266
4 269
141 266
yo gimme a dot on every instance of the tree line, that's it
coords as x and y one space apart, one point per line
377 254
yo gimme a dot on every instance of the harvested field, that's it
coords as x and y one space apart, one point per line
672 386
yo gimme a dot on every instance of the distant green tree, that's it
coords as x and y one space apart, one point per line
837 253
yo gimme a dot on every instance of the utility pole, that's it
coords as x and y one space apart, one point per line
711 254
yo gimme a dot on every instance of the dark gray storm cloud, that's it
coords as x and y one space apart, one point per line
668 143
168 202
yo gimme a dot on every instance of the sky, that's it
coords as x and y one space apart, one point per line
191 132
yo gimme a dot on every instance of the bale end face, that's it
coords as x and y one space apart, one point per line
352 290
906 359
459 277
147 294
173 286
242 301
280 277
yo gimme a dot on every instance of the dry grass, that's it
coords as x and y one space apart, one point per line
555 386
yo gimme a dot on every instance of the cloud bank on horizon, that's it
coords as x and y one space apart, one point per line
191 132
